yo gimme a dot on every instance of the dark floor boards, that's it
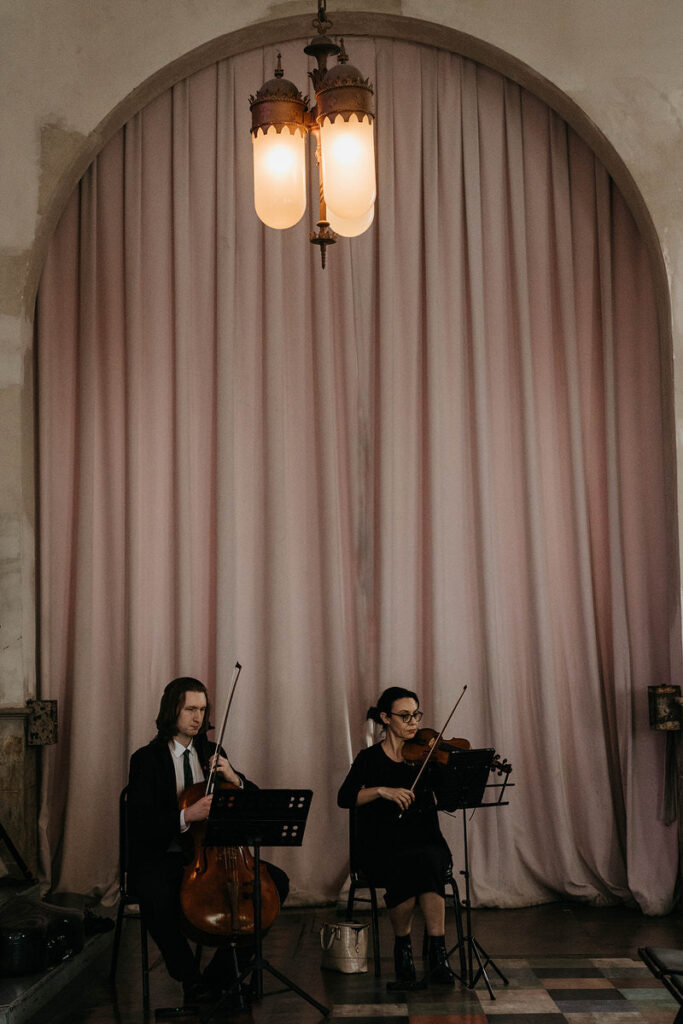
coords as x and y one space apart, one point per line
564 962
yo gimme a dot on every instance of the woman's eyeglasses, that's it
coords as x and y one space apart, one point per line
408 716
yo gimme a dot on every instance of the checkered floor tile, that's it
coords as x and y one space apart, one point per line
540 990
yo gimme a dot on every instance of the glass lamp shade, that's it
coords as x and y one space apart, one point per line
348 165
279 176
351 228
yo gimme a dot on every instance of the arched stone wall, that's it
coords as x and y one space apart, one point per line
349 24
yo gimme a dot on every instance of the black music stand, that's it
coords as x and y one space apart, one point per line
464 789
256 818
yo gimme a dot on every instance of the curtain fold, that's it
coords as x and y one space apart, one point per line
446 460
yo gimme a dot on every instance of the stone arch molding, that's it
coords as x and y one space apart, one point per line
354 24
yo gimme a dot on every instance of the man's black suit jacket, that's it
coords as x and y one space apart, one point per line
153 813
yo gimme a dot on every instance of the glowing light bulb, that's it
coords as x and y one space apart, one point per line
348 165
351 228
279 176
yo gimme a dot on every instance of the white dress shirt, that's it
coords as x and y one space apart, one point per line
178 750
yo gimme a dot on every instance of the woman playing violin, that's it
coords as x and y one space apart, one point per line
399 842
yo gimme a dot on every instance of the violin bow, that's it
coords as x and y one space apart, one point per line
212 771
435 744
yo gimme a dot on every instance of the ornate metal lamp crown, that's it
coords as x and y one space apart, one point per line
342 123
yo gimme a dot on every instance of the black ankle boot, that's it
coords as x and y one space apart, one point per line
440 972
403 960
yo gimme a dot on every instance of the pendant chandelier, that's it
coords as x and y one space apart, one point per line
341 122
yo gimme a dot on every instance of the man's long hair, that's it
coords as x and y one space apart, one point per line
172 702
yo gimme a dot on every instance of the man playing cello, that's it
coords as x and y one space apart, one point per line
178 756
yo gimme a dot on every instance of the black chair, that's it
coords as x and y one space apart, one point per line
128 898
667 966
360 880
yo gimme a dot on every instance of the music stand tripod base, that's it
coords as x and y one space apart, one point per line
468 786
256 818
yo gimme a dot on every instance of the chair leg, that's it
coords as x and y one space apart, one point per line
349 902
117 942
144 956
375 932
458 927
239 991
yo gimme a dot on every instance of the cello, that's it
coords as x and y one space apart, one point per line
217 889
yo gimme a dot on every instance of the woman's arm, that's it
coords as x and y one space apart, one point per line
402 797
352 784
354 791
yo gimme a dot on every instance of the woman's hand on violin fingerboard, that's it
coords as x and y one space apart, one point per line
198 811
225 769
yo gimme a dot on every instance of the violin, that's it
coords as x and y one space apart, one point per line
417 750
431 748
217 889
427 745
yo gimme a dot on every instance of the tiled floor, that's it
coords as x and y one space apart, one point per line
563 962
540 990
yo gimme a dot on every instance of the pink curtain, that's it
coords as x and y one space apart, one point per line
444 460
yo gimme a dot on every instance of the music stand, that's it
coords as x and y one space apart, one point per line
463 788
256 818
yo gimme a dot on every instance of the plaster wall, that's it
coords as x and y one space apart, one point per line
67 64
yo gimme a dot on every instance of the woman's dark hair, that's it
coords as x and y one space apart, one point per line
172 701
386 702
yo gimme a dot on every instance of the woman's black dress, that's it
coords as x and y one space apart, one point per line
406 855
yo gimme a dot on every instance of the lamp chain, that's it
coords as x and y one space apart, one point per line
321 22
